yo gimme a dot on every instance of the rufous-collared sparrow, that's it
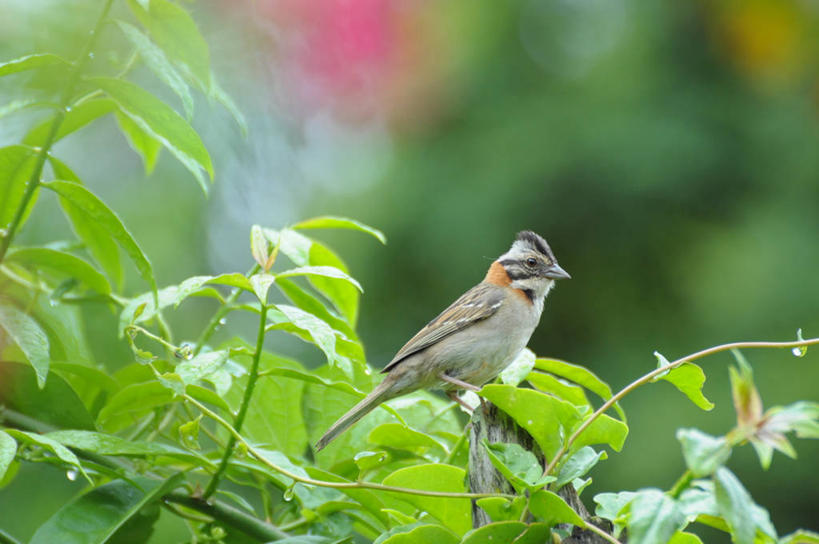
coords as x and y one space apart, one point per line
474 339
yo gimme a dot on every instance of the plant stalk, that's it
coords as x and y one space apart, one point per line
34 181
240 417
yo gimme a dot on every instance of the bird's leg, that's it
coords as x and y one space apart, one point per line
454 396
460 383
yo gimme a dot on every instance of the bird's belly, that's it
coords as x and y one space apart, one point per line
473 359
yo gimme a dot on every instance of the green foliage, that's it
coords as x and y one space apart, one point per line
223 432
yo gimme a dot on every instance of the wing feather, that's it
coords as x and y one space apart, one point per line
477 304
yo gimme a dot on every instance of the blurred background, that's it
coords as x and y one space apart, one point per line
668 151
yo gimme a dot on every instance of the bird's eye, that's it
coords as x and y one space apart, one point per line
531 261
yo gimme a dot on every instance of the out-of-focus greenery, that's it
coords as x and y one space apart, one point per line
668 152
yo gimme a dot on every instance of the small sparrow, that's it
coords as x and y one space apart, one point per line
474 339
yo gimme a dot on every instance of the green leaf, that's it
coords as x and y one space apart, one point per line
501 509
158 63
94 517
131 403
684 538
108 444
801 536
654 517
55 404
402 437
306 252
161 122
311 304
101 246
419 534
107 221
274 415
519 368
29 337
734 504
259 247
18 105
333 222
211 366
219 94
261 285
603 430
560 388
173 30
29 62
325 271
610 505
689 379
517 465
140 141
8 449
546 418
17 163
577 465
552 509
580 376
61 452
65 264
800 417
320 332
703 453
495 533
698 499
455 514
74 119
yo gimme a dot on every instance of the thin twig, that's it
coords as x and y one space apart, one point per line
601 533
661 370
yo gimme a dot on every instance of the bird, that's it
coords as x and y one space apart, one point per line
476 337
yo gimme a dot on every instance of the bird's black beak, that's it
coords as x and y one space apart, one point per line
554 272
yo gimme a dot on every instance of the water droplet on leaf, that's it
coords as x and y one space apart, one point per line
71 474
798 351
289 493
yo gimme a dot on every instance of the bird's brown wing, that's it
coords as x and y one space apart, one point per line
477 304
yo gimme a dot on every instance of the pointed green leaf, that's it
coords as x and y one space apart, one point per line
681 537
501 509
261 285
8 449
158 63
61 452
30 62
689 379
101 246
320 332
552 509
17 163
580 376
517 465
503 531
220 95
64 264
703 453
173 29
326 271
735 505
74 119
603 430
333 222
558 387
577 465
453 513
55 404
29 337
161 122
105 220
545 417
801 536
402 437
140 141
418 534
653 517
94 517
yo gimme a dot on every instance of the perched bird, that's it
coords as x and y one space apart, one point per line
473 340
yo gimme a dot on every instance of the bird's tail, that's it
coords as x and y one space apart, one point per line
378 395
